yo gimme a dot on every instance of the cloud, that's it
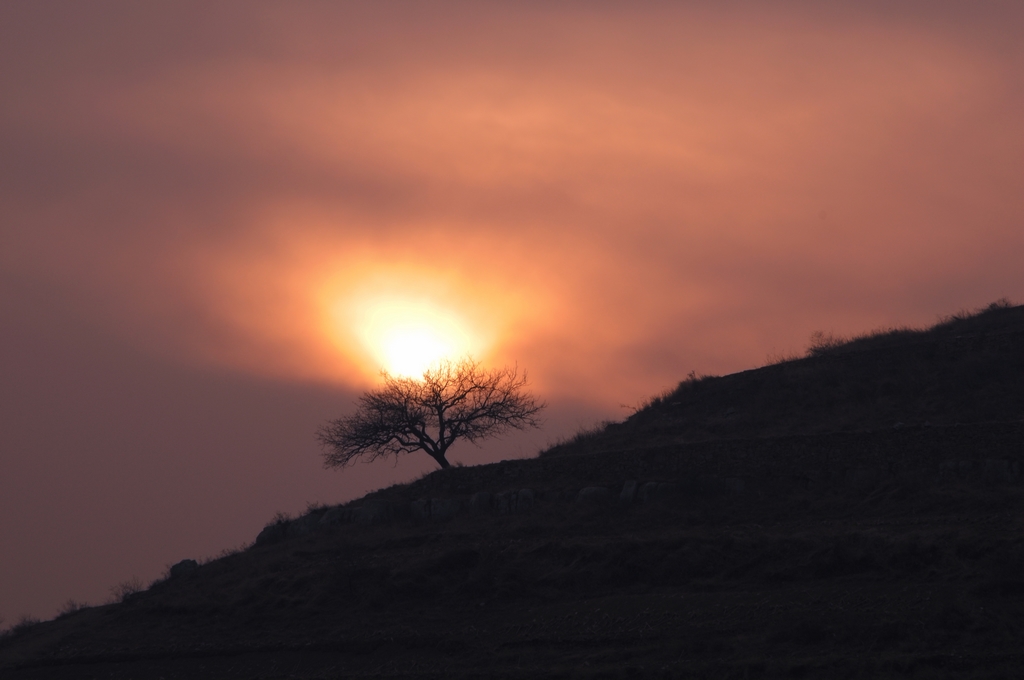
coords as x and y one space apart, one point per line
584 184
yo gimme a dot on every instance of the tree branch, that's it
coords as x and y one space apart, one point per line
457 400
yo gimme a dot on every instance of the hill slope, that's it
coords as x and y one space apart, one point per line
967 369
780 547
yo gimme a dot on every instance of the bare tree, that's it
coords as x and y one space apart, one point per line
455 400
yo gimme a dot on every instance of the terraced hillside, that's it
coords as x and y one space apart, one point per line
662 546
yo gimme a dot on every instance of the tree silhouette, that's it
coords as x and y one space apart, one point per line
455 400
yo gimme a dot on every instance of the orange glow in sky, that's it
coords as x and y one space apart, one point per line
406 336
612 203
610 198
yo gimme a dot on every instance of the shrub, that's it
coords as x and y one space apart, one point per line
23 624
279 518
822 343
124 590
70 607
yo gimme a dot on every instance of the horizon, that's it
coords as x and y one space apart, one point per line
218 225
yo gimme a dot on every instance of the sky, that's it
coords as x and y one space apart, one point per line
220 221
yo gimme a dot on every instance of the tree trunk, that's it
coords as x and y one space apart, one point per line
442 461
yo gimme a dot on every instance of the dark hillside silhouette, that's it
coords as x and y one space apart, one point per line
776 523
966 369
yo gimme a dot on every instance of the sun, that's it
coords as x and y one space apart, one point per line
406 337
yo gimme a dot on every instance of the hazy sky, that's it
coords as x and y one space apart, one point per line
218 221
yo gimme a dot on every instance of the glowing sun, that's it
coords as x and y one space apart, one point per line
406 337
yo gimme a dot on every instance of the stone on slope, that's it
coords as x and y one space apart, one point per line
183 568
652 492
420 509
999 470
514 502
272 533
304 525
443 509
648 492
373 512
594 495
481 503
335 516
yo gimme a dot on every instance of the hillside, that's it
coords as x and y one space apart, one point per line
966 369
855 513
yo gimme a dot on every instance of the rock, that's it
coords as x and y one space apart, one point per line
956 469
710 484
435 509
713 484
997 471
657 491
648 492
183 568
272 533
335 516
549 495
863 479
373 512
481 503
735 485
443 509
514 502
303 526
594 495
420 509
524 501
666 490
628 492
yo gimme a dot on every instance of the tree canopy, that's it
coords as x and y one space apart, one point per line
452 401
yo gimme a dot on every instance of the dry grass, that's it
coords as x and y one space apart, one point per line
580 441
24 625
70 607
125 589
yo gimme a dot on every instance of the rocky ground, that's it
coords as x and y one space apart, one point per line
885 554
